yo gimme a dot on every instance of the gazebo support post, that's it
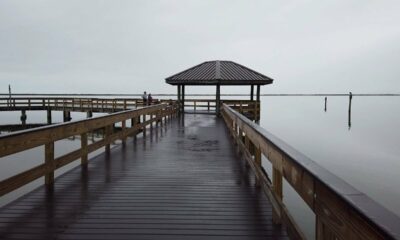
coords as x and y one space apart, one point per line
217 100
183 99
257 104
252 92
179 95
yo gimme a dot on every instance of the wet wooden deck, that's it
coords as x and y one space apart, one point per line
184 181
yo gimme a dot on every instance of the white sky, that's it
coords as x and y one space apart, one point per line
130 46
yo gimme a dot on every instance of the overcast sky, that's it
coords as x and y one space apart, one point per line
130 46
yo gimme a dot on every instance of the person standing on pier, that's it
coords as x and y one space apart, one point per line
144 98
149 99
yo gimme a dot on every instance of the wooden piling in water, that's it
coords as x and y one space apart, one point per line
349 113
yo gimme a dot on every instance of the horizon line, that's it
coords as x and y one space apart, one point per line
199 94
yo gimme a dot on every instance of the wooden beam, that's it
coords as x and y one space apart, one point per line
258 93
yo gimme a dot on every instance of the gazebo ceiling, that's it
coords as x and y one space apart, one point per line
219 73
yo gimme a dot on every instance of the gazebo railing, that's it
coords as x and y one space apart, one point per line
249 108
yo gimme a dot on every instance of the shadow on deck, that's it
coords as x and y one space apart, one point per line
184 181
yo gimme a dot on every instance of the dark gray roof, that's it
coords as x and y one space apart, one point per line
219 72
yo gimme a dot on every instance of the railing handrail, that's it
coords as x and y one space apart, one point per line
89 98
84 124
386 221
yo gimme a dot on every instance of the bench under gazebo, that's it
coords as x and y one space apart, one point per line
217 73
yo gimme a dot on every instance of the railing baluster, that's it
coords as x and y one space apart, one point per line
123 132
84 149
257 161
144 125
277 189
108 132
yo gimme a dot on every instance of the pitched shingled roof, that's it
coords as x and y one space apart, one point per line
219 72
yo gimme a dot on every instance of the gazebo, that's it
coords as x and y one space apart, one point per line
218 73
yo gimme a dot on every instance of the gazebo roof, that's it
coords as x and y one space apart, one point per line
219 72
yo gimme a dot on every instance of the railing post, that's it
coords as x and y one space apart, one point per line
255 111
247 143
157 117
319 229
234 128
107 136
144 125
160 115
257 161
84 149
49 161
277 189
240 134
134 122
49 121
123 132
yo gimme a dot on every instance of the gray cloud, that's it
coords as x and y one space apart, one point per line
129 46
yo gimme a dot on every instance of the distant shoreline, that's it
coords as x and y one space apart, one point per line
199 95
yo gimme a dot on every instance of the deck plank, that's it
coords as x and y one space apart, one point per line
184 181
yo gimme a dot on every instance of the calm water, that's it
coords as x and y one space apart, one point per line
366 155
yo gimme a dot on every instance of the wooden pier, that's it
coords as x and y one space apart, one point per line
179 177
183 181
249 108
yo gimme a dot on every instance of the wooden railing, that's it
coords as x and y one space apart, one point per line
46 136
341 211
73 104
249 108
